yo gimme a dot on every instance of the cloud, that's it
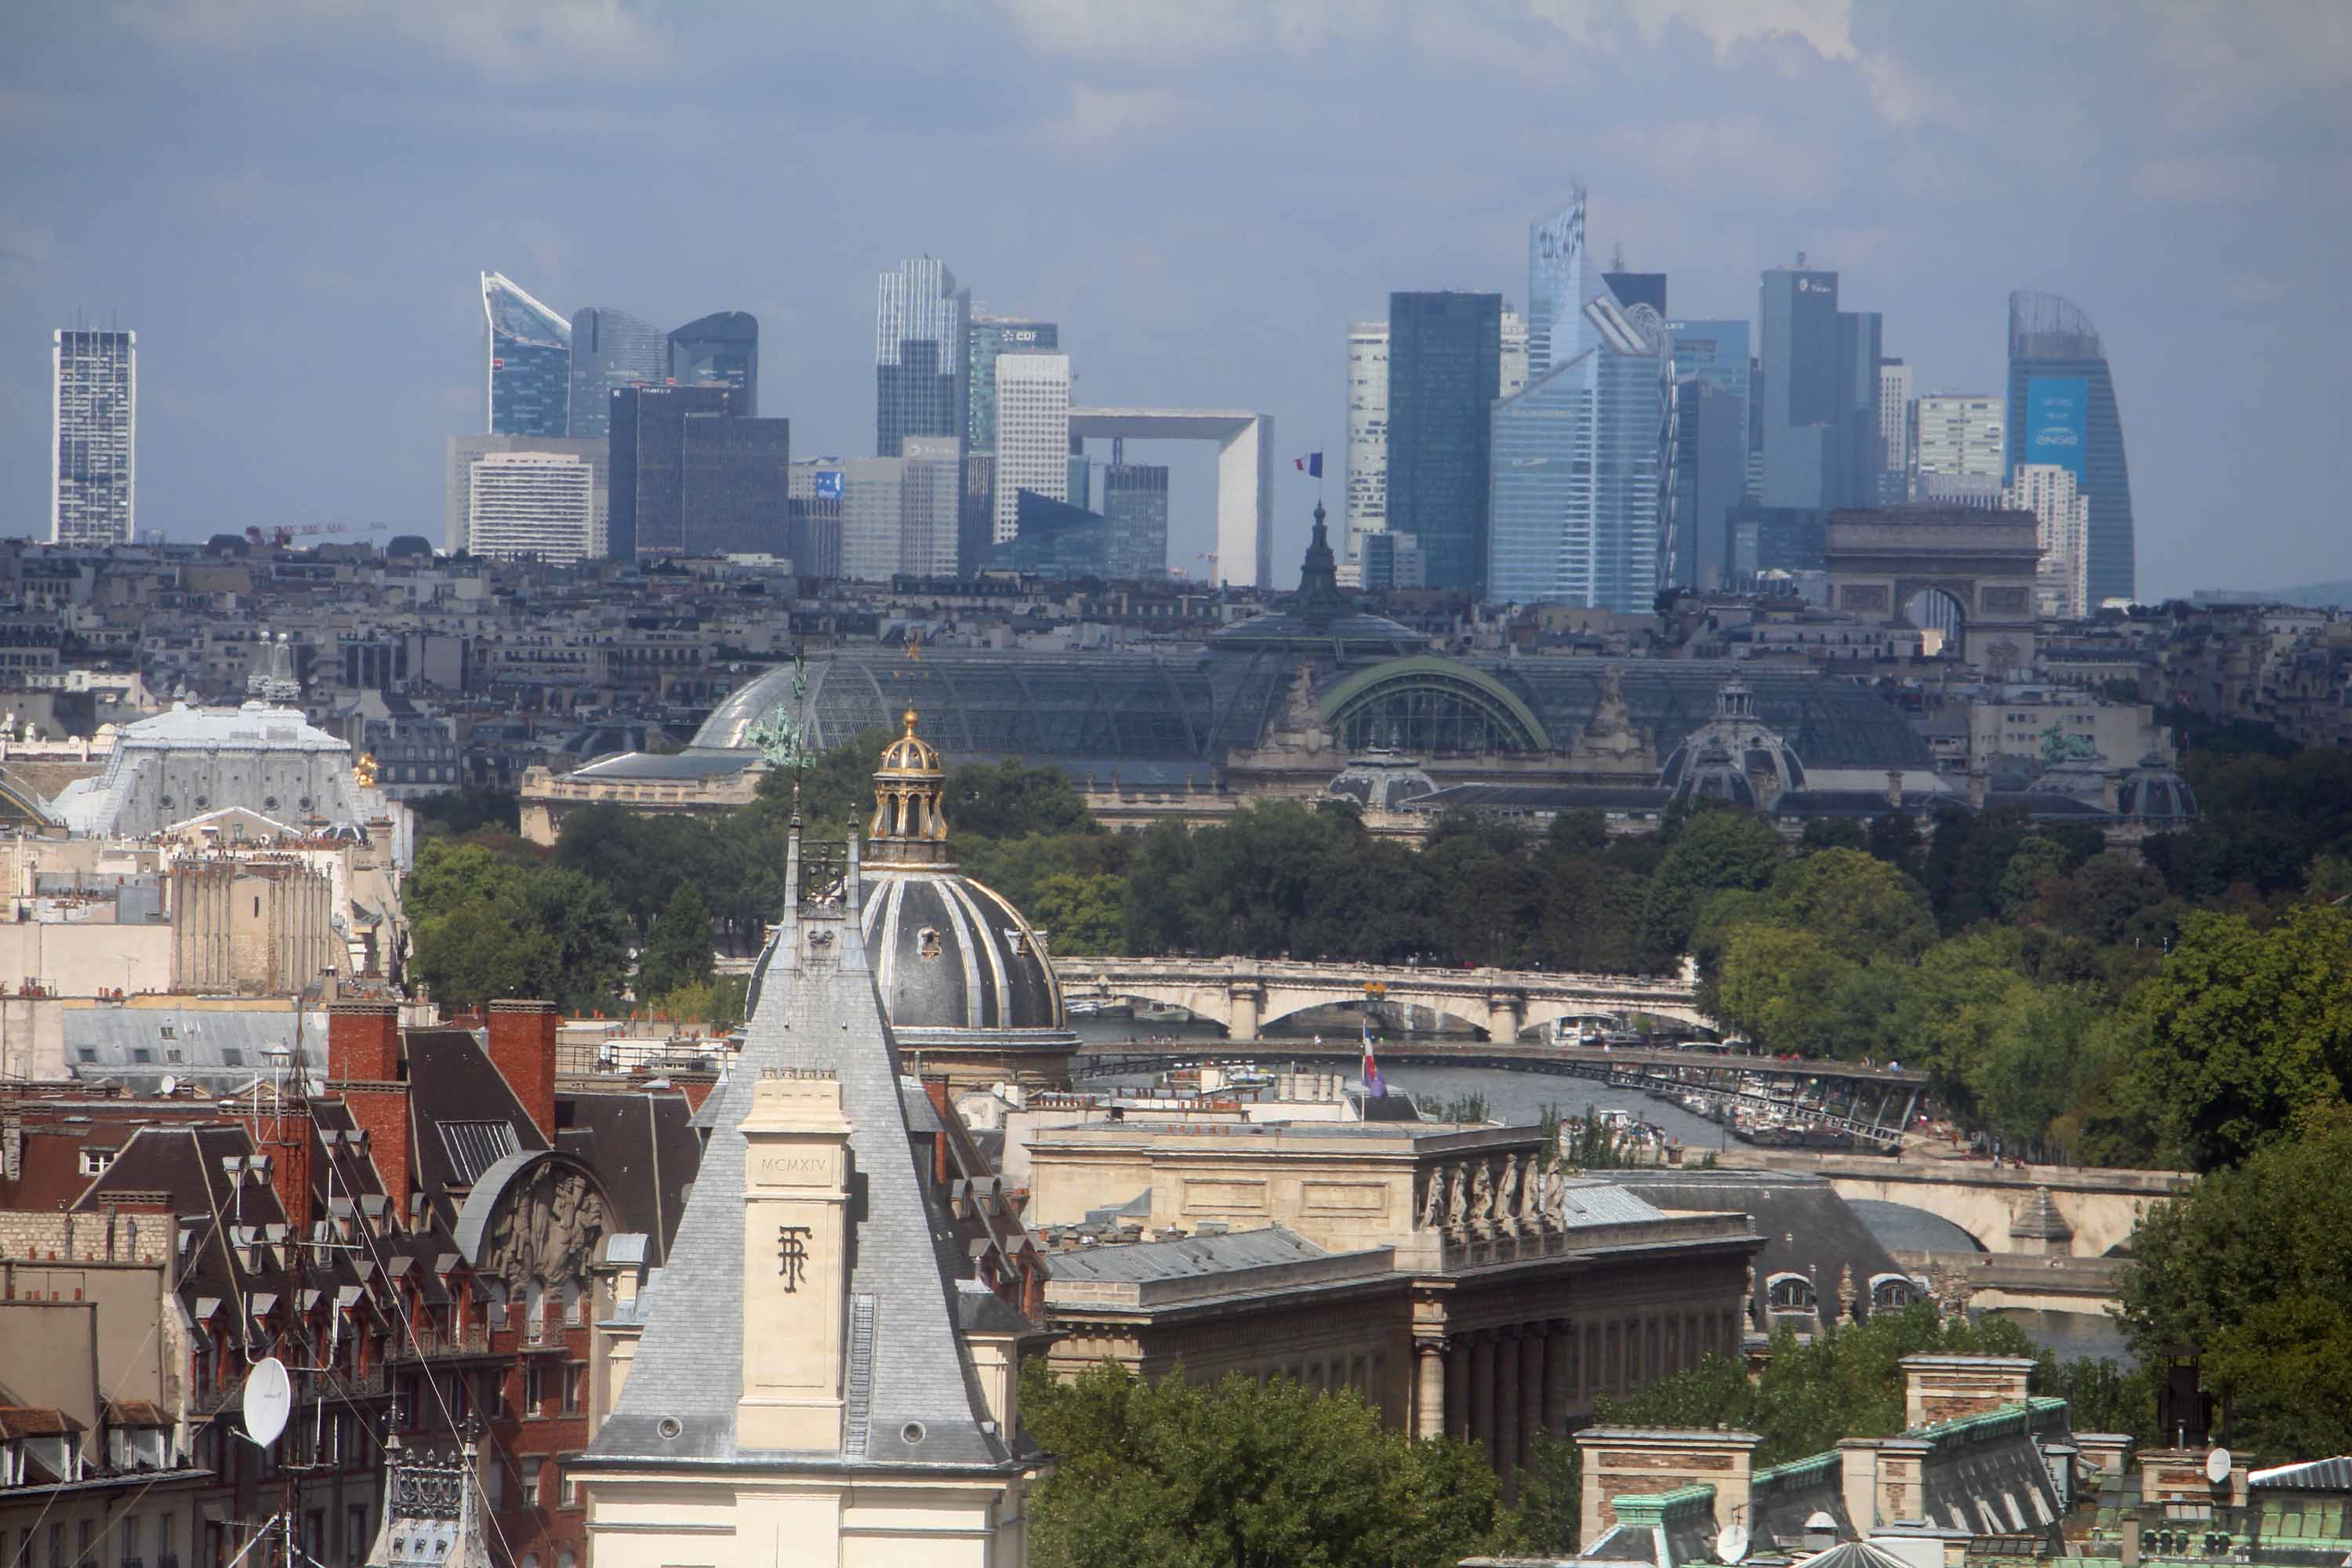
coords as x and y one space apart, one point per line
523 38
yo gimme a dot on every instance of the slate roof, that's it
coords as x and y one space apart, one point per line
818 1010
1900 1228
2310 1476
643 1146
218 1050
1808 1229
453 1081
1194 1256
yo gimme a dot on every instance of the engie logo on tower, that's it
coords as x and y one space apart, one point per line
2055 421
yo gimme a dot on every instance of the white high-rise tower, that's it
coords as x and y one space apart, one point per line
94 431
1033 434
1367 436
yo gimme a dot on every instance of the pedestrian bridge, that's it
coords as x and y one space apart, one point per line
1245 994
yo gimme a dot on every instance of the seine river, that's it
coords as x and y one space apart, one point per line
1522 1097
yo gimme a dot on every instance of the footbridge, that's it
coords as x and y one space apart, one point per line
1245 994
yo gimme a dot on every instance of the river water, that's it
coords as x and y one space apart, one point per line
1521 1098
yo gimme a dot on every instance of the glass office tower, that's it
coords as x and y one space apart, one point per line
1445 355
1556 286
2062 410
610 348
985 338
1582 469
527 363
720 349
920 321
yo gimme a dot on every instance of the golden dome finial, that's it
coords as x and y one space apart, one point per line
910 721
906 794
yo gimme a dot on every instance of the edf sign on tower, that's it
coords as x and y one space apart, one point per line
2055 421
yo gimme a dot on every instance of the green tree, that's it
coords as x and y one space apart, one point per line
1078 914
1847 1383
1009 799
1716 850
478 949
2252 1267
677 951
1270 1475
1779 987
587 958
1864 909
2035 862
2242 1028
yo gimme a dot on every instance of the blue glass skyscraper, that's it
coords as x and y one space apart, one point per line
1581 502
527 363
611 349
2062 410
1558 272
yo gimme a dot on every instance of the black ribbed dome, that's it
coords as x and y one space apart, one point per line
950 953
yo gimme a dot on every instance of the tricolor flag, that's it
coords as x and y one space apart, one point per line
1310 464
1373 1087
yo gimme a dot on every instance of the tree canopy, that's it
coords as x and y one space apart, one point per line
1273 1474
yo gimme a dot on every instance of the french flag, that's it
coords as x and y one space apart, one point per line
1373 1085
1310 464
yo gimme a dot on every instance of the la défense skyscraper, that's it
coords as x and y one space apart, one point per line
1446 353
920 321
611 349
720 349
527 363
2062 410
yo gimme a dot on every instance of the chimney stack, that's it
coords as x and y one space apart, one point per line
1620 1462
1946 1387
363 1065
523 1048
363 1042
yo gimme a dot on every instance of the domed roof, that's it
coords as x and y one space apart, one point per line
949 953
1735 741
2154 789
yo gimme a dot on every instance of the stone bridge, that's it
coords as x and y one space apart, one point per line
1245 994
2046 1210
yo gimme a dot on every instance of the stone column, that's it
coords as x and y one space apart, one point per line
1429 1397
1534 1359
1244 1004
1458 1376
1560 1347
1481 1391
1506 1449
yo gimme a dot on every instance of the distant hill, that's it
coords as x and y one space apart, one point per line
2334 595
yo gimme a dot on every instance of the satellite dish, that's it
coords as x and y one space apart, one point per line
1731 1544
2217 1466
171 1085
268 1400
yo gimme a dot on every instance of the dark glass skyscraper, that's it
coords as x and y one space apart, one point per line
1556 286
527 363
690 477
1819 394
610 348
1135 505
1445 355
920 317
721 349
2062 410
1634 289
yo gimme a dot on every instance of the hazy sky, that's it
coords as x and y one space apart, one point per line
289 199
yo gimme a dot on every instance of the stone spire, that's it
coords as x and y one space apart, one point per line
1318 601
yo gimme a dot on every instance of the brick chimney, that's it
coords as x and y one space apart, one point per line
1623 1462
1946 1387
287 1142
523 1048
363 1065
363 1042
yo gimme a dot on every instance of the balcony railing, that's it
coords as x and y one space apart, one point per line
432 1344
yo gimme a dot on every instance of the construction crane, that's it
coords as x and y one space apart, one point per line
283 538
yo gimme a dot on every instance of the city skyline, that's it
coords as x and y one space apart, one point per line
1901 149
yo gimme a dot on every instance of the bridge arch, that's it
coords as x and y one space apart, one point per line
1282 1005
1424 705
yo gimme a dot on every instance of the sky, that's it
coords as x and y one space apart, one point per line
289 201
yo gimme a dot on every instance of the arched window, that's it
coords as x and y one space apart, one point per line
1788 1293
1893 1292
